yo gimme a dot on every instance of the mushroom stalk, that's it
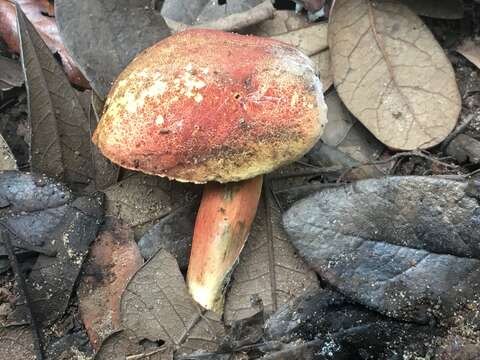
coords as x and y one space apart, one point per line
222 226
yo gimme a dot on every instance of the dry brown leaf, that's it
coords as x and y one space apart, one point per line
141 199
157 306
114 258
35 11
16 343
7 160
392 74
10 74
269 273
311 39
471 51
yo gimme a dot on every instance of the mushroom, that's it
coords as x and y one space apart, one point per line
207 106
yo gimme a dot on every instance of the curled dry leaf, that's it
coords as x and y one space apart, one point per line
231 15
269 272
60 137
311 39
471 51
40 13
156 306
113 259
392 74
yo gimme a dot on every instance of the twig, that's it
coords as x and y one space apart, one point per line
144 355
318 171
37 340
460 128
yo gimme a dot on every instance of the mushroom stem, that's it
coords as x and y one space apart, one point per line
222 226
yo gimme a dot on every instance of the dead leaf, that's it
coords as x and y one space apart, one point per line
156 306
90 30
392 74
269 272
231 15
346 142
124 345
60 138
311 39
31 207
40 13
471 51
114 258
442 9
140 200
16 343
10 74
51 280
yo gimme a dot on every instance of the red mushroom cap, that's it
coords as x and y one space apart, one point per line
209 105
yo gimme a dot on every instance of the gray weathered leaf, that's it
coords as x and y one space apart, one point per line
10 74
232 15
60 140
269 272
156 306
51 281
442 9
311 39
173 233
16 343
407 247
346 142
392 74
103 36
140 200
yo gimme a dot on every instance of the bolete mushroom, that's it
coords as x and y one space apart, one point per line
209 106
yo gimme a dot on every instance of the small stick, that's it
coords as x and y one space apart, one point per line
460 128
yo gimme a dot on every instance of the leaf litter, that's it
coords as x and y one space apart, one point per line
159 213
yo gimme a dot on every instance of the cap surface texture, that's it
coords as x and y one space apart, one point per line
205 105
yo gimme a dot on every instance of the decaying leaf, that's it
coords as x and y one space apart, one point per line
90 30
156 306
442 9
40 13
31 208
52 278
16 343
10 74
173 233
124 344
60 139
392 74
311 39
471 51
407 247
113 259
140 200
345 142
269 272
231 15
